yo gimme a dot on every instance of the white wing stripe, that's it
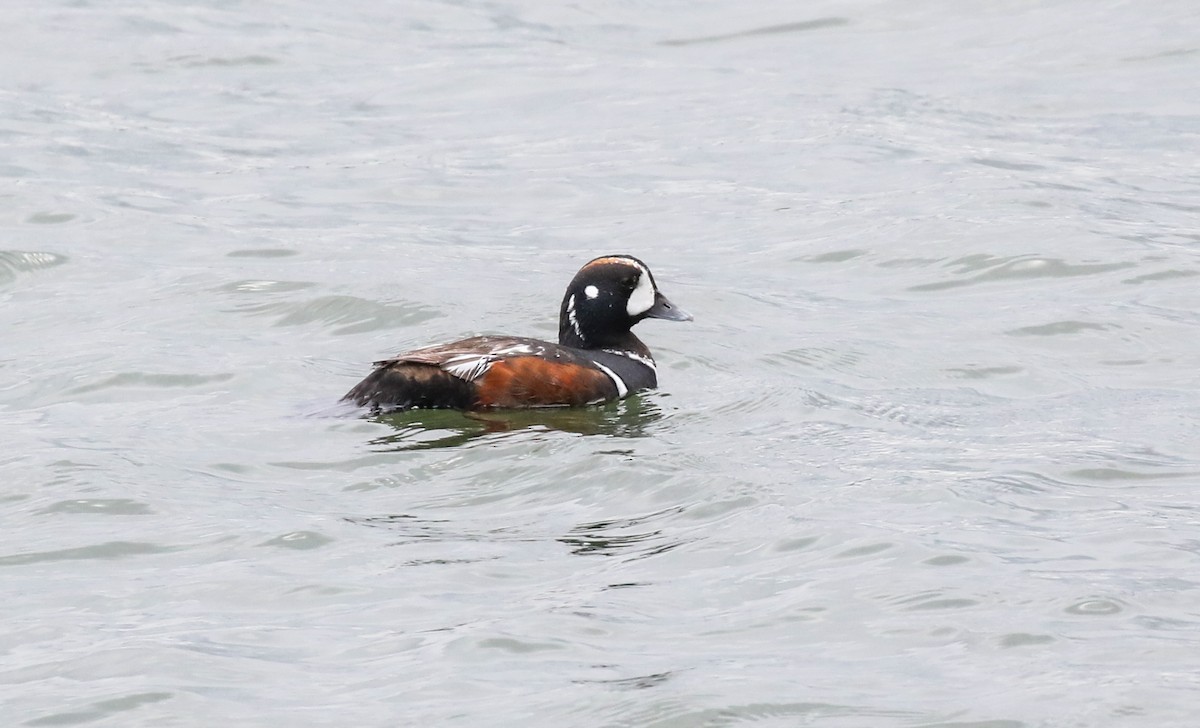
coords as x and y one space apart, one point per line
468 366
471 366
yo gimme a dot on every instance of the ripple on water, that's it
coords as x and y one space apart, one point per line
103 551
1162 275
1113 476
946 560
105 506
1095 607
801 26
262 253
345 314
976 724
981 268
149 381
833 256
223 61
426 538
822 358
50 218
15 262
983 372
671 715
259 287
1060 328
635 536
1008 164
638 682
299 541
1024 639
100 709
632 417
935 600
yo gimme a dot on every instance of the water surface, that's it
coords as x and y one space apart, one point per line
926 457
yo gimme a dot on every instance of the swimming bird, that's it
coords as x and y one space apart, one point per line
597 357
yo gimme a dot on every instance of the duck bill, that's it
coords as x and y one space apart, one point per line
664 309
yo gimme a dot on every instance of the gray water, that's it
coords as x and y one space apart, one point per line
928 456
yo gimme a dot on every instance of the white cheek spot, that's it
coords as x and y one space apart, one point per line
642 297
591 291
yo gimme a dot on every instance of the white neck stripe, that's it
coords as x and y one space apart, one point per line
622 390
571 317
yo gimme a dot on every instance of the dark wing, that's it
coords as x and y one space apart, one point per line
428 378
484 371
469 359
401 385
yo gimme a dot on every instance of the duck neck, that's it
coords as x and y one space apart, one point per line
570 333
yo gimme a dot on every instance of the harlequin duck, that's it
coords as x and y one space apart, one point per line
597 357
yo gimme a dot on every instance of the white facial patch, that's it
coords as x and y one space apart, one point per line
591 291
642 297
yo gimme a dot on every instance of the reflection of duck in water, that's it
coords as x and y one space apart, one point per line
433 429
597 357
